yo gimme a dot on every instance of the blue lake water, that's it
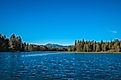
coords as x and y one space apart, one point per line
59 66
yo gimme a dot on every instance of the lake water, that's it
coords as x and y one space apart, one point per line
59 66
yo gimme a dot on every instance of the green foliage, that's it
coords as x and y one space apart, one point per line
4 43
93 46
15 44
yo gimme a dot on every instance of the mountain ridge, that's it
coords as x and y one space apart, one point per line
51 45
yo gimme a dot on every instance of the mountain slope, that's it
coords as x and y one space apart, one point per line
49 45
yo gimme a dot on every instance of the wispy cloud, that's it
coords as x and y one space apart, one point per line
114 31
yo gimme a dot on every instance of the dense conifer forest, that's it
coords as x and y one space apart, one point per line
93 46
14 43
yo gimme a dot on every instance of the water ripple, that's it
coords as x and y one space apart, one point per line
60 66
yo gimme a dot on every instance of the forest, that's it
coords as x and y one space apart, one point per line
15 43
94 46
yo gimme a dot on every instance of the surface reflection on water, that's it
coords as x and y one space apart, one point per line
59 66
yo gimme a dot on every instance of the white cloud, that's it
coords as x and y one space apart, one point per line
113 31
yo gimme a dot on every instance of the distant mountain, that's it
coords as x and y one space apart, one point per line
49 45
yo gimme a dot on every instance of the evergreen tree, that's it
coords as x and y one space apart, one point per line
12 42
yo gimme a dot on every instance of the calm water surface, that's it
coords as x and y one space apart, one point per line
59 66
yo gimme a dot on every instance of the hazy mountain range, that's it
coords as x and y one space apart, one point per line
50 45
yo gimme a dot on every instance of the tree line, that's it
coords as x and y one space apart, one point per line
14 43
94 46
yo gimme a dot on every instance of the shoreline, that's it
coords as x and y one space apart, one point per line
93 52
64 52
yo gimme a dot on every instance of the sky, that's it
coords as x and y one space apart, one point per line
61 21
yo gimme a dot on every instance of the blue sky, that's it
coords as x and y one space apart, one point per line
61 21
